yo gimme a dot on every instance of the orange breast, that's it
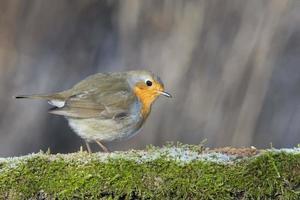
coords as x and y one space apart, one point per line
146 98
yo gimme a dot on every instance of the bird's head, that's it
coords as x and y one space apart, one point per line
146 86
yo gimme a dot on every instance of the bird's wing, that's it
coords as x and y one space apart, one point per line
102 95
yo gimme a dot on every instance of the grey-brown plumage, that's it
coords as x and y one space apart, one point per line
105 107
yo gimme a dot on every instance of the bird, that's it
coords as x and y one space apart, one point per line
106 106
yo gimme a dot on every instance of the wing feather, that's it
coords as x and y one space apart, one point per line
100 95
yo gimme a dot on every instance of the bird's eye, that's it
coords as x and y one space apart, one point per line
148 83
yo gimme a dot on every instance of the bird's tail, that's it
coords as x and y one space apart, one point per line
54 96
54 99
32 96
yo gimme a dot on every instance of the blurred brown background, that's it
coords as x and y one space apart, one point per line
233 67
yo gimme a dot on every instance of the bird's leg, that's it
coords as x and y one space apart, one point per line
88 147
102 146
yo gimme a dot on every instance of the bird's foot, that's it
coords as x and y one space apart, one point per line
88 147
105 149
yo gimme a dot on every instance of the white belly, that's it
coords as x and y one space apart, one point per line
104 130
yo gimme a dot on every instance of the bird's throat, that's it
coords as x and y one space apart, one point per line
146 100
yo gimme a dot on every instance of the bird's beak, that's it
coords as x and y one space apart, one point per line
165 94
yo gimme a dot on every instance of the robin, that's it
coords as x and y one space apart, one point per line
107 107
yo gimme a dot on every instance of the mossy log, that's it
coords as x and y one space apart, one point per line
172 172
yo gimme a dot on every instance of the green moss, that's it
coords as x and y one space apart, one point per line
155 174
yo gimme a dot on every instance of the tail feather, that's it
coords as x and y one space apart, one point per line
55 96
56 99
34 96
